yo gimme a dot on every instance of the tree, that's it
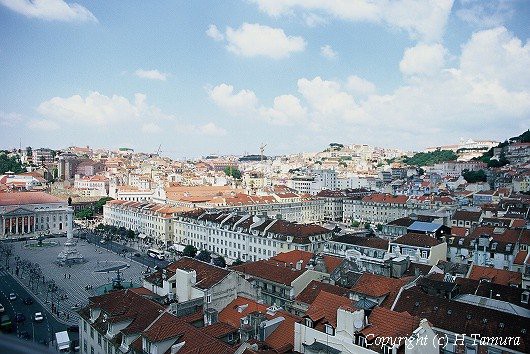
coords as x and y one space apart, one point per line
430 158
237 262
219 261
367 226
130 234
474 176
379 227
355 223
204 256
84 214
98 207
232 172
12 164
189 251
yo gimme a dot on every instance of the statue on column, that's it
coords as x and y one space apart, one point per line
70 254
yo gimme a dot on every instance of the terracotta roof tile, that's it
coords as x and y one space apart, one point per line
324 307
498 276
311 291
418 240
375 286
23 198
207 274
270 270
387 323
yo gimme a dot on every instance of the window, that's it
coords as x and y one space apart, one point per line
91 332
99 339
91 350
208 298
84 346
329 329
309 322
361 341
387 349
84 326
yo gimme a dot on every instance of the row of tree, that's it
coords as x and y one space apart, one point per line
205 256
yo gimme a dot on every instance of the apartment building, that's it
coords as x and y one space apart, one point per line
150 220
246 237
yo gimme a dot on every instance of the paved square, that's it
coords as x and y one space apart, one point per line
78 276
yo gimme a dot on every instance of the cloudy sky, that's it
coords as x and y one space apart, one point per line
222 77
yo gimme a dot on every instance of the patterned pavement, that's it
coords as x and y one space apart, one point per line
72 287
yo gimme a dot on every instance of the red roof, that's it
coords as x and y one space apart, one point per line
497 276
283 335
270 270
375 286
520 258
207 275
168 326
387 323
23 198
324 308
386 198
311 291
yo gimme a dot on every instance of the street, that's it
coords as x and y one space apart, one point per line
129 252
39 332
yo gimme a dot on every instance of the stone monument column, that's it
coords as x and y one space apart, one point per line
70 254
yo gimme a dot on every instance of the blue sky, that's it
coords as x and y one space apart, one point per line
203 77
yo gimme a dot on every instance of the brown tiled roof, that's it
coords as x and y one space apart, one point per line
23 198
386 198
498 276
520 258
207 274
370 242
388 323
472 216
309 294
128 305
417 240
219 330
324 307
406 222
270 270
374 285
282 337
287 228
168 326
460 317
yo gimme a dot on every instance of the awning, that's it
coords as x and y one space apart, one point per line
142 236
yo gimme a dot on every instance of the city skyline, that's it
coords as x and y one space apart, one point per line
207 78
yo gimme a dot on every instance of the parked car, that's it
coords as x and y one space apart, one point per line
38 317
137 254
24 335
12 296
73 328
75 345
19 317
2 309
28 301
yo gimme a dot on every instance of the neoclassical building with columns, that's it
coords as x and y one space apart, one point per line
24 214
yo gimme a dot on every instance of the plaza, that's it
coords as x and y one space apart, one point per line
67 287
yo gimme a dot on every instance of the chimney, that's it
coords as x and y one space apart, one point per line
176 347
299 265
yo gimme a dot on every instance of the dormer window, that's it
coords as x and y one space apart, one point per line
309 323
329 329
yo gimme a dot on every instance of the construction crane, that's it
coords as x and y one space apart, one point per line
262 149
158 151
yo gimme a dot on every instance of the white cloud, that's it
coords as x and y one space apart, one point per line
423 59
51 10
210 129
43 125
9 119
422 19
313 20
486 92
286 110
213 32
241 103
151 128
484 14
252 40
95 109
151 74
328 52
359 85
497 55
